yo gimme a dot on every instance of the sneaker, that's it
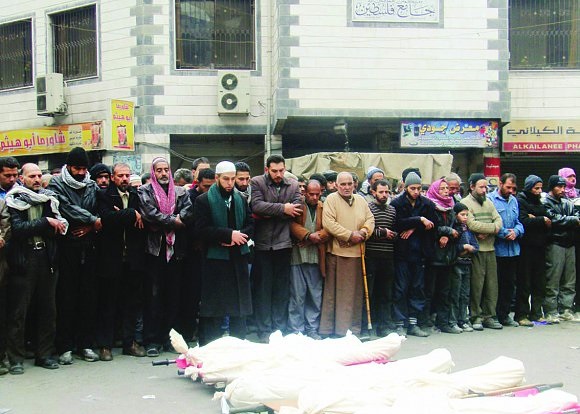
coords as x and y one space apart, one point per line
46 363
66 358
414 330
152 351
451 329
466 327
525 322
313 335
491 323
3 368
89 355
553 318
509 322
400 330
567 315
16 368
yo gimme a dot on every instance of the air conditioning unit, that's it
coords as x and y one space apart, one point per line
233 92
50 95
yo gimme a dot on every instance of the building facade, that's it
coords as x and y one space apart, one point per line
238 79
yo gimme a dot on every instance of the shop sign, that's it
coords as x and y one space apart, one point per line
541 136
122 125
51 139
395 11
449 134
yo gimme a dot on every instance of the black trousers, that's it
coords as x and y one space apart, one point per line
120 296
76 296
507 268
211 328
37 284
531 282
162 290
3 311
190 295
271 284
380 277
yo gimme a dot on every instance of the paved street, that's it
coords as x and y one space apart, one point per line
131 385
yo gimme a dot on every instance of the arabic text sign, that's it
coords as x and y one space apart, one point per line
395 11
122 125
542 136
52 139
443 134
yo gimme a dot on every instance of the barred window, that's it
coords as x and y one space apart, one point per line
16 54
215 34
75 43
544 34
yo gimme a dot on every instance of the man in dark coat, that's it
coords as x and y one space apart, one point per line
76 300
36 223
223 221
122 255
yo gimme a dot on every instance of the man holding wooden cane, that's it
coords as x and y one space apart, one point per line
347 217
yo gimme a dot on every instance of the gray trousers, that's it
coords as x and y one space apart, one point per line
560 279
483 295
305 298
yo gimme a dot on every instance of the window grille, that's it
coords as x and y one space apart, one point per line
215 34
75 43
544 34
16 54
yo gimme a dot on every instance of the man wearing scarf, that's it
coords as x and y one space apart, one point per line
485 222
507 245
36 223
224 223
165 209
76 298
414 247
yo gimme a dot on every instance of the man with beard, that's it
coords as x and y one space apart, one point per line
531 277
485 222
307 265
122 254
414 247
101 174
76 300
36 223
379 257
243 178
223 221
347 217
373 174
275 201
166 209
507 245
560 255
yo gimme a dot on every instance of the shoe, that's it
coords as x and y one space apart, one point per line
264 338
66 358
135 350
553 319
47 363
414 330
491 323
567 315
525 322
152 351
3 368
451 329
16 368
105 354
400 330
89 355
314 335
466 327
167 347
509 322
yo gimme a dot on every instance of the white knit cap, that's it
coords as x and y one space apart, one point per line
225 167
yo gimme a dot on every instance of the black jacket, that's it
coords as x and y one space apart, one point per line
79 207
536 233
23 230
564 221
444 256
119 231
422 241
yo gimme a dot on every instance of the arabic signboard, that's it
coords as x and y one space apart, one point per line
51 139
423 133
541 136
395 11
122 125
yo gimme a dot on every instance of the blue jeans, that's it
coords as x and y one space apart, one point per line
408 293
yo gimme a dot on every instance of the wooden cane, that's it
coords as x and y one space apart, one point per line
366 286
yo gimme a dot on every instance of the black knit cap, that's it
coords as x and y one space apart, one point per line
77 157
475 177
459 207
99 168
555 181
